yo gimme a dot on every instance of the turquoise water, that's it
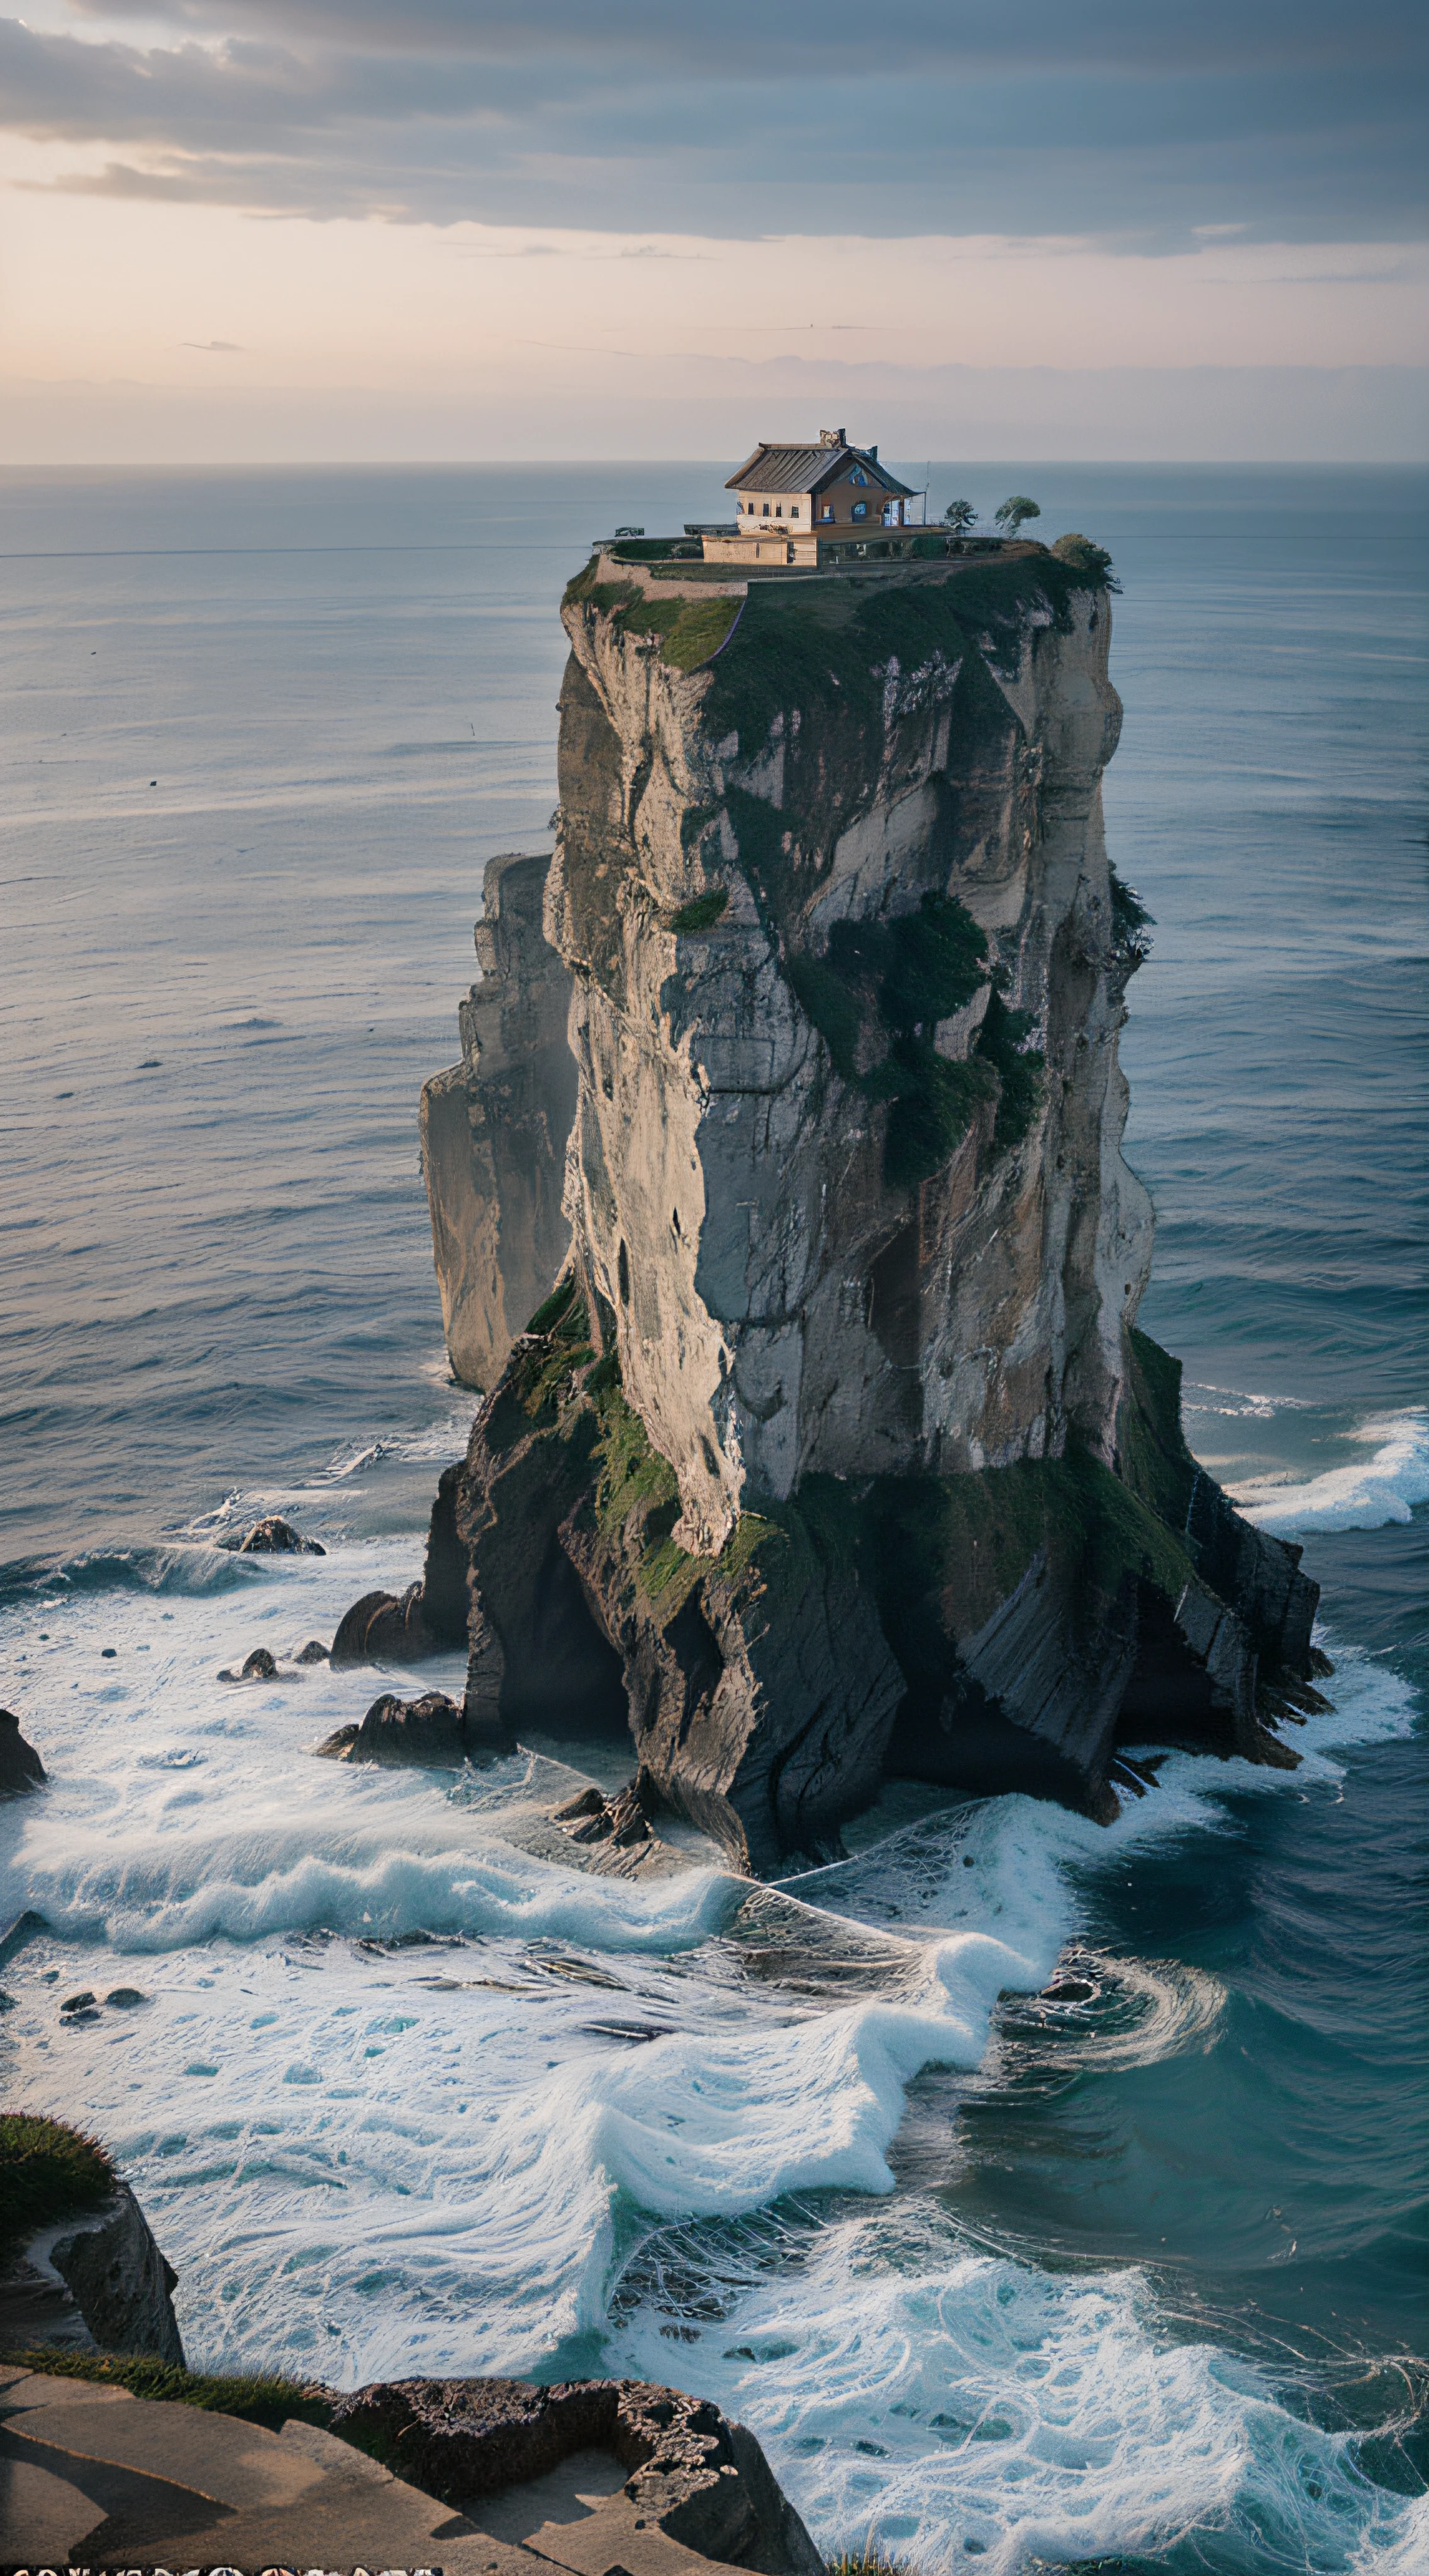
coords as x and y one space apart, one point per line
1130 2271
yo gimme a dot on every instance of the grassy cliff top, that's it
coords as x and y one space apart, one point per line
47 2172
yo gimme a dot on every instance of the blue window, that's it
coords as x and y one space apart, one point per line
860 509
858 475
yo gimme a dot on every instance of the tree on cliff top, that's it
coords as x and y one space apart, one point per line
1084 556
1014 510
960 516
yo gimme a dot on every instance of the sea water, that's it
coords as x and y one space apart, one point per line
1040 2193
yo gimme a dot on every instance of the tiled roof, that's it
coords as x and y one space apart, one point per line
807 469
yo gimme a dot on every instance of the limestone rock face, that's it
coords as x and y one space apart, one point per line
833 1452
834 1235
494 1129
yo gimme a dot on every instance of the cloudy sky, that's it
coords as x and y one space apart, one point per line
234 228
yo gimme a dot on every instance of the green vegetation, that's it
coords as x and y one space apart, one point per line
47 2172
869 2561
553 1307
1129 916
1155 1463
542 1369
933 1108
702 913
690 631
1085 557
1002 1043
272 2402
960 516
687 631
910 973
1014 510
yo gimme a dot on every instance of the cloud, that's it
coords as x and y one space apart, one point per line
1294 120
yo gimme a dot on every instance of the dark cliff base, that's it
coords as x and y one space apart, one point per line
1009 1630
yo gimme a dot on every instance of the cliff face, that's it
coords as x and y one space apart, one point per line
494 1130
835 1452
847 1151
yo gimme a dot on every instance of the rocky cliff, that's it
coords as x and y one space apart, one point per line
836 1450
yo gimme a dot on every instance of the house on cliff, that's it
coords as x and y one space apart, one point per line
790 500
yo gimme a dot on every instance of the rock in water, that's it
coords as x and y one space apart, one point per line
260 1666
694 2476
432 1731
20 1766
274 1537
834 1450
430 1617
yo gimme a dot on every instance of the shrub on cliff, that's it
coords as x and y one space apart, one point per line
1083 556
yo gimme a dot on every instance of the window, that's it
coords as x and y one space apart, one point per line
860 509
766 509
858 475
828 510
795 511
778 509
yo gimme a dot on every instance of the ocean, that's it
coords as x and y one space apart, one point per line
1041 2194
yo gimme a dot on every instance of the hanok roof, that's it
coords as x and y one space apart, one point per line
808 469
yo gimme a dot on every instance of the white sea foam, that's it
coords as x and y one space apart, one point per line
914 2390
369 2160
1366 1493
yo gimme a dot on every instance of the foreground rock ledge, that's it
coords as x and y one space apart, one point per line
693 2475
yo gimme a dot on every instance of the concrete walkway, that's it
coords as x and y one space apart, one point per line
91 2476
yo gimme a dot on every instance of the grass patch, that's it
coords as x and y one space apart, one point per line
702 913
540 1371
272 2402
689 630
548 1314
47 2172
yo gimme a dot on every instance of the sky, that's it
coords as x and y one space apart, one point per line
251 230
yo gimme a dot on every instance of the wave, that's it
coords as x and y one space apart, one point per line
1366 1494
917 2392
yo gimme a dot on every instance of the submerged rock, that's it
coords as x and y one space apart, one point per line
694 2476
314 1652
20 1766
274 1537
260 1666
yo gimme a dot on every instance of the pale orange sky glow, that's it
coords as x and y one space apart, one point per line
143 316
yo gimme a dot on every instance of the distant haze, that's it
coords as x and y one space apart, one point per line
265 229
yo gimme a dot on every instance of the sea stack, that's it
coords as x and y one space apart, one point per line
833 1450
